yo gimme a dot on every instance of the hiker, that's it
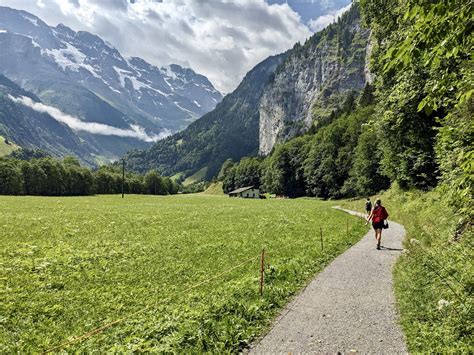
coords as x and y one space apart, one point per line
368 206
378 216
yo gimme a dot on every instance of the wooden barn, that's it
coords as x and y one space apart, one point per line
245 192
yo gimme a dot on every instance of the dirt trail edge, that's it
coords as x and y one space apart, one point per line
348 307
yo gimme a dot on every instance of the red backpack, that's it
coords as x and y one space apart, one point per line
379 214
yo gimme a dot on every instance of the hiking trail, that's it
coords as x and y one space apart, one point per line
348 307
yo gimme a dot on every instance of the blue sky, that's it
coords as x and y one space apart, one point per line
222 39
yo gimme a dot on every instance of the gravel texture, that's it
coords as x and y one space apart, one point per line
348 308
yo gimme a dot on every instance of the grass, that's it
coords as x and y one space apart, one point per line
176 177
6 149
214 189
196 177
69 265
434 279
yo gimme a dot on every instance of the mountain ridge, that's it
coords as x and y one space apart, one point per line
84 76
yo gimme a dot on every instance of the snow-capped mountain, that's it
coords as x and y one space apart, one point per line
84 76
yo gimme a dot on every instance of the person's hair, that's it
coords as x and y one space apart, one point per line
378 202
368 198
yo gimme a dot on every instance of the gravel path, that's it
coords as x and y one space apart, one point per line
349 307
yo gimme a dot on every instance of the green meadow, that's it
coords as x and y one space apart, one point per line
165 273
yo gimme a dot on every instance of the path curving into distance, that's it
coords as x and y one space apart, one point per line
349 307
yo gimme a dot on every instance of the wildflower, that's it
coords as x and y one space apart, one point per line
442 303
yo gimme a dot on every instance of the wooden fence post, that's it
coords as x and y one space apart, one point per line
321 237
262 269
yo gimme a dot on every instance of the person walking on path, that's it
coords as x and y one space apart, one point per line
368 206
378 216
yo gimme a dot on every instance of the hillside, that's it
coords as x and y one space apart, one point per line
85 77
6 147
280 98
30 129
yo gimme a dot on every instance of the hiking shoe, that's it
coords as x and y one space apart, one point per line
378 247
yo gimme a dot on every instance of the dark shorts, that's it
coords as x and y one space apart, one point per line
378 225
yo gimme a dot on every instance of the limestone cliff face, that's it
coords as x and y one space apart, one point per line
314 80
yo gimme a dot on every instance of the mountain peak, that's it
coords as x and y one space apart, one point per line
85 77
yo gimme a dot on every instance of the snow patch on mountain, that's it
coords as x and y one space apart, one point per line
137 84
70 58
33 20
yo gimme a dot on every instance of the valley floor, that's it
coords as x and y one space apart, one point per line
162 273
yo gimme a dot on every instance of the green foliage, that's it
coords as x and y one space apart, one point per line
51 177
284 169
455 151
11 179
367 96
225 168
198 176
195 187
247 173
330 157
340 159
73 264
422 60
407 137
366 177
154 184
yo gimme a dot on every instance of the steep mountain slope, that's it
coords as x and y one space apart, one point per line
31 129
230 131
313 80
280 98
84 76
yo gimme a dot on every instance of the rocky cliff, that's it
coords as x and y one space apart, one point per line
313 80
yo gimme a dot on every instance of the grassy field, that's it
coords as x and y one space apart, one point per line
196 177
6 149
70 265
214 189
434 279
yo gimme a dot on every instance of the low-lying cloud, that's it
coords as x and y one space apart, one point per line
76 124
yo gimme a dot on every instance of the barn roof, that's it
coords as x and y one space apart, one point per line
242 189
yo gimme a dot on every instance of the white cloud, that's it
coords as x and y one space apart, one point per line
91 127
321 22
220 39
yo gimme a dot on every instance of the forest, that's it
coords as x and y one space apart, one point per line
45 176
